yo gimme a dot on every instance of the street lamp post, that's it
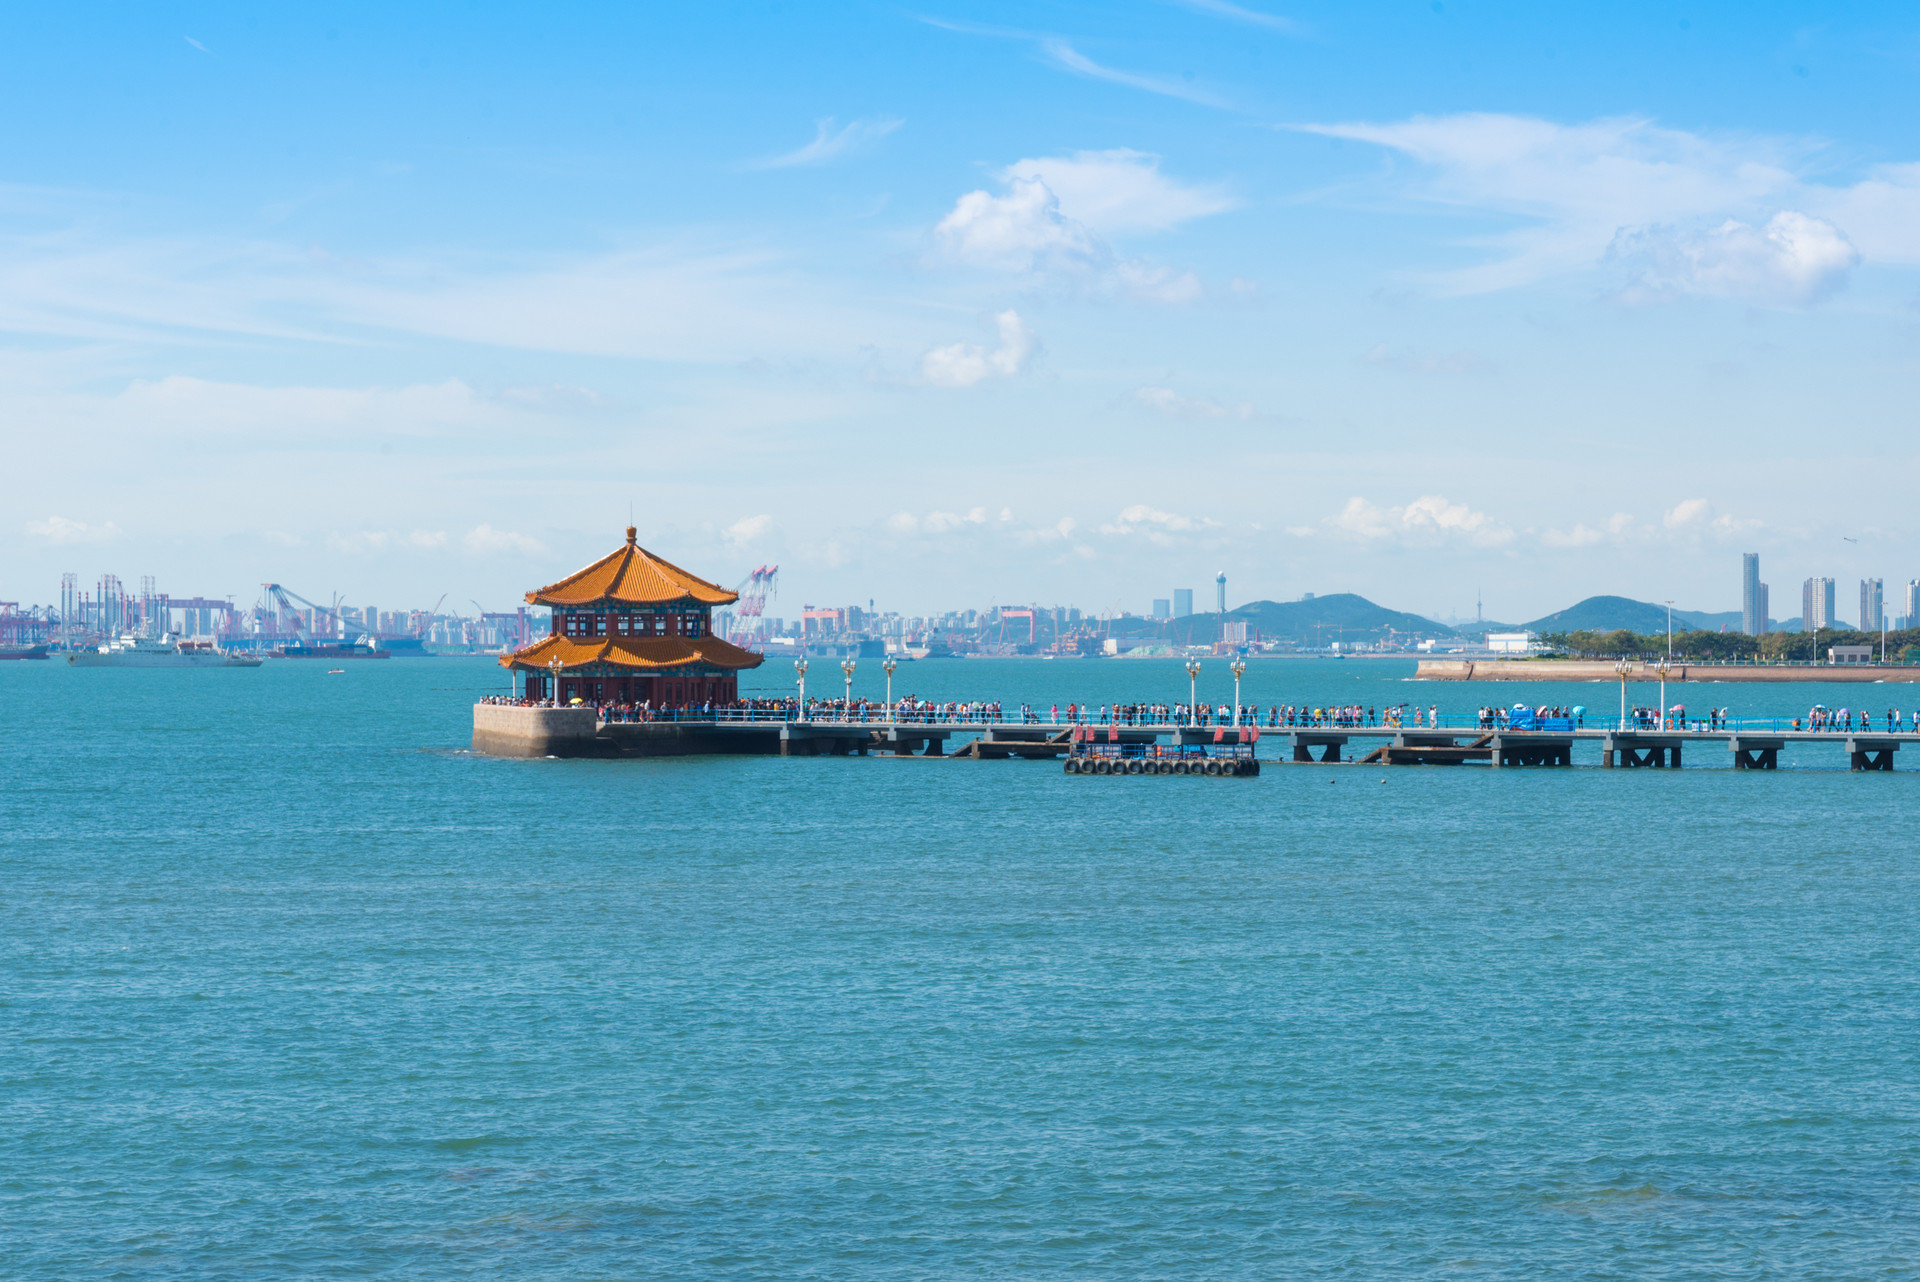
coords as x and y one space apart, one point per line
887 665
800 668
1193 696
1238 666
555 665
846 666
1623 667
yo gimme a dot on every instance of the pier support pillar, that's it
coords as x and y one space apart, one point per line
1755 754
1870 754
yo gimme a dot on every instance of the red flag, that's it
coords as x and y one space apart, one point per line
1219 733
1251 734
1113 734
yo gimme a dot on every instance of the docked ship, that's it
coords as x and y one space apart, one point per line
22 650
364 648
165 652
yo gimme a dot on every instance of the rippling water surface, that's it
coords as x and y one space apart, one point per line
291 984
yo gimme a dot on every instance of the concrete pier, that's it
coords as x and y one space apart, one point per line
506 730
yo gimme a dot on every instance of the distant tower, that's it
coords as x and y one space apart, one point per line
1753 596
1872 606
1816 604
1220 582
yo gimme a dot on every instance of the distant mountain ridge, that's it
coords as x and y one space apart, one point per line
1341 616
1609 613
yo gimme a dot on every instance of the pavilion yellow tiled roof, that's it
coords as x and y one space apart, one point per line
632 575
643 654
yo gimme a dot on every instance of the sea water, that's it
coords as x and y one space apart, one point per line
293 984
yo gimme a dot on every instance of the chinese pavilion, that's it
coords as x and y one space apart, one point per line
632 628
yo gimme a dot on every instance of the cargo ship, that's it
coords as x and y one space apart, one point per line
12 650
164 652
364 648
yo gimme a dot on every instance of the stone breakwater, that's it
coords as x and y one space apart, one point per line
1603 670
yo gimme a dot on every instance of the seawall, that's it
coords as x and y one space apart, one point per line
1603 670
507 730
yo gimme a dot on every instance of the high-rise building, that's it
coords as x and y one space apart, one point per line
1912 619
1872 608
1161 608
1753 596
1816 604
1182 602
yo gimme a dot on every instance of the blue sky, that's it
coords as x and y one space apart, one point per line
947 305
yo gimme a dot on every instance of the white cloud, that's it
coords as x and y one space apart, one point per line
1173 405
747 529
427 540
1062 54
62 531
1881 212
360 542
669 301
200 407
830 143
1615 529
1118 191
564 397
1428 519
964 364
1224 9
1022 230
1153 284
1794 259
1579 189
1687 512
486 540
905 523
1154 524
1034 226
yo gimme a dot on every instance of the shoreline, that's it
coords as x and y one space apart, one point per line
1604 670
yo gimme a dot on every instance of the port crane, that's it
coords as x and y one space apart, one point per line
280 606
515 622
754 590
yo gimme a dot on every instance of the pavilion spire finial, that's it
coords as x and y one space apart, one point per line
631 532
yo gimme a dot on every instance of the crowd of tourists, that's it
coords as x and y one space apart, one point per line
1820 717
915 710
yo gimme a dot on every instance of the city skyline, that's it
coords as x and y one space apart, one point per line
964 304
1819 598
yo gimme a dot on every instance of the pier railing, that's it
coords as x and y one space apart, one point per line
1445 723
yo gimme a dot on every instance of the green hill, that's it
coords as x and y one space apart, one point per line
1606 613
1319 621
